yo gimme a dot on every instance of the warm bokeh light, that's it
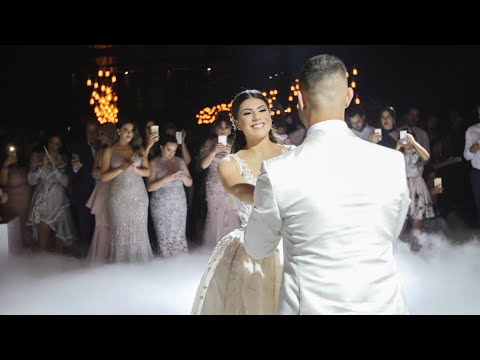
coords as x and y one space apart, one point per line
104 103
209 114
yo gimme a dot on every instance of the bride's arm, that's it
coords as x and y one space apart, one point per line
233 182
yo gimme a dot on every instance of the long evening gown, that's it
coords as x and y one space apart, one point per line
128 206
99 251
221 216
168 206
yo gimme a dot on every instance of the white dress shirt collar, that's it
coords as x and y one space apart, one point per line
327 125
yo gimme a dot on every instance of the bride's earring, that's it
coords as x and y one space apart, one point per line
234 125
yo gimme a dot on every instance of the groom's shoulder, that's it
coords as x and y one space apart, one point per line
377 151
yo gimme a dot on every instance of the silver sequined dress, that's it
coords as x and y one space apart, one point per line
128 206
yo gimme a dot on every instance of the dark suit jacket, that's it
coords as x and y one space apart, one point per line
83 182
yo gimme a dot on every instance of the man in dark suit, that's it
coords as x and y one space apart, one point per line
83 183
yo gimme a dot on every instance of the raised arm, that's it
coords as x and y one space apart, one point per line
233 182
421 151
472 145
207 153
186 177
37 173
185 152
263 232
11 159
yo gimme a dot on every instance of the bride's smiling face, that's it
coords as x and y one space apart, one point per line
254 118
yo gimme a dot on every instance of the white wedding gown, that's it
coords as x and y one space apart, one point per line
234 283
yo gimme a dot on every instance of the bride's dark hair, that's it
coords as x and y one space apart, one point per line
240 141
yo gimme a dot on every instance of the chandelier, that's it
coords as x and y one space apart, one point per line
103 97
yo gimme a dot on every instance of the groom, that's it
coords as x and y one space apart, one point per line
338 211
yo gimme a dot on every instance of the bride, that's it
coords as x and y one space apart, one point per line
234 283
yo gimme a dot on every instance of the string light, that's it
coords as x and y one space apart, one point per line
354 84
208 115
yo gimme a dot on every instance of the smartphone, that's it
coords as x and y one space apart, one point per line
12 151
403 134
179 136
222 139
154 129
283 137
437 182
378 131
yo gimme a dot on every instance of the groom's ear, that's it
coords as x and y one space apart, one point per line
349 97
301 103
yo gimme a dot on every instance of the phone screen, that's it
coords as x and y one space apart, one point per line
222 139
179 136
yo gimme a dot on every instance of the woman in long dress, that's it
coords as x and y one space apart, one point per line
168 206
234 283
221 216
125 165
99 250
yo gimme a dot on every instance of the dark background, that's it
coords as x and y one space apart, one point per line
47 83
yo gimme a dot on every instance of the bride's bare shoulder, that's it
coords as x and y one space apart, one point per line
228 163
228 170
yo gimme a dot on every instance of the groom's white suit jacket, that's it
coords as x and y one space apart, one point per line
338 202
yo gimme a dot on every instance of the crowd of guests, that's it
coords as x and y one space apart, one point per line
120 194
439 163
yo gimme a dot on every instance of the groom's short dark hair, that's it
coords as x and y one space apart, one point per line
320 68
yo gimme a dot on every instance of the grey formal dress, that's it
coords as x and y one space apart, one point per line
169 208
221 216
128 206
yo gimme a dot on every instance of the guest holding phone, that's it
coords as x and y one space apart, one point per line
168 203
14 182
421 206
50 207
151 132
182 151
389 134
221 216
125 165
